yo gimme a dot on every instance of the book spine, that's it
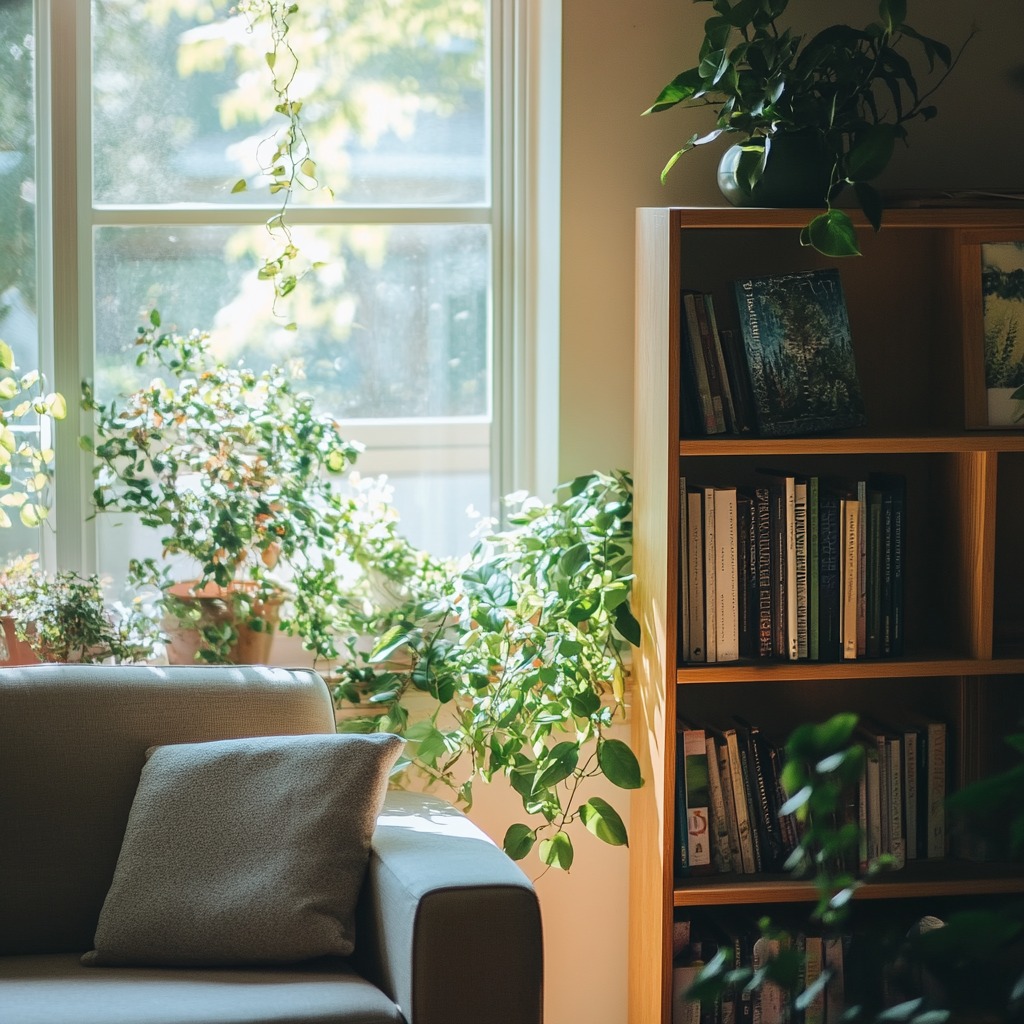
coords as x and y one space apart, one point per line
726 575
851 547
690 333
873 803
886 568
753 812
813 569
792 642
728 790
862 570
684 572
763 530
937 789
897 842
767 809
898 530
830 536
835 993
698 800
706 370
910 791
695 564
720 848
710 577
778 524
800 542
873 643
746 554
706 310
814 957
740 805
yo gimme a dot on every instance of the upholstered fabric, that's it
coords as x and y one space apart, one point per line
245 851
74 740
439 892
58 990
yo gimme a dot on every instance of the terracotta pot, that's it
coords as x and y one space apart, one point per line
12 650
251 648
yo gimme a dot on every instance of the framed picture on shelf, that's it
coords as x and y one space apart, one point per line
994 299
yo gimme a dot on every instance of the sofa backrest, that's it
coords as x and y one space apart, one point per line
72 744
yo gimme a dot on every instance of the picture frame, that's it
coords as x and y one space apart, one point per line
992 274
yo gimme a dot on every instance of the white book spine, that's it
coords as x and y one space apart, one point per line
739 796
725 773
698 813
719 823
711 598
850 511
695 597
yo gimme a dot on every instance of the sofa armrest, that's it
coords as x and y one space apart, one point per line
448 925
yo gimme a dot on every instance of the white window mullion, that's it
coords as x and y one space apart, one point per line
70 243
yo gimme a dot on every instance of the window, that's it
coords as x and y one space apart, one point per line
153 110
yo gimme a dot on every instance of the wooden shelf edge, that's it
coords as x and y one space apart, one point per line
782 671
895 886
855 444
919 216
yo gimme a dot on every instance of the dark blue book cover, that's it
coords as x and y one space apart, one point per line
796 335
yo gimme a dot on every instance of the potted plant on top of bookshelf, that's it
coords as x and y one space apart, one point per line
506 662
233 466
813 115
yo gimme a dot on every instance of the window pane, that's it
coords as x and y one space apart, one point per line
394 326
395 102
18 320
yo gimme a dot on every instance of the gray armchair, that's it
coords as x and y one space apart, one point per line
448 928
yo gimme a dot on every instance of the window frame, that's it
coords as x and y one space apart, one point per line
525 42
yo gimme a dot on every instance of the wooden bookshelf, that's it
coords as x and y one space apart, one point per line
915 323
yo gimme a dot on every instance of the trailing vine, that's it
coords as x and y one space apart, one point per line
284 156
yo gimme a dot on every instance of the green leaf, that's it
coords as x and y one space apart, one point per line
6 356
871 152
239 186
619 764
574 559
557 851
627 625
683 87
518 841
603 821
832 234
870 202
557 764
892 13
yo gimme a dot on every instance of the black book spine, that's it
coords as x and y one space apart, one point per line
778 549
829 596
763 540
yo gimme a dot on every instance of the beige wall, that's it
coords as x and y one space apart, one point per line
617 54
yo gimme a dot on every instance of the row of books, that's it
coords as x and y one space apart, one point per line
796 568
788 369
729 795
831 972
695 943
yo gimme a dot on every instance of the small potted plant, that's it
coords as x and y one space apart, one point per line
232 467
65 618
838 102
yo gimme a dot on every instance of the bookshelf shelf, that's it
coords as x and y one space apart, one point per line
917 334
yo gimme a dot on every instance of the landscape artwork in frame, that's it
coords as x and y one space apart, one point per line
1002 293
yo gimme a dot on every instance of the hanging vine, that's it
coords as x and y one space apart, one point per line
283 156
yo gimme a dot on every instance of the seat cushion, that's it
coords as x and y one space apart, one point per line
245 851
57 989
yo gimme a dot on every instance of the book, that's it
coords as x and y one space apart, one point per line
748 864
763 795
814 965
873 644
706 371
695 576
684 571
800 544
693 360
792 638
721 849
813 568
862 569
796 335
710 576
830 644
709 322
746 560
696 792
728 798
763 570
727 601
931 784
850 518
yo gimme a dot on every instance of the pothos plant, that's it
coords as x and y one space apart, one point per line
854 89
284 156
517 651
25 463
